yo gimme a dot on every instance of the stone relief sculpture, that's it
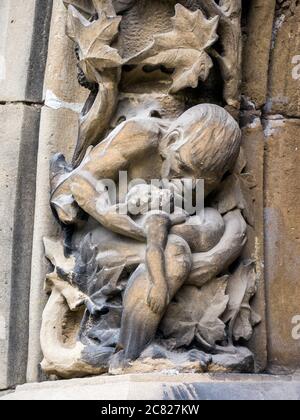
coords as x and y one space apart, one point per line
139 285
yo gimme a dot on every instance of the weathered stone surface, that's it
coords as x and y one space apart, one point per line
23 32
285 67
58 132
19 143
253 146
256 52
61 88
56 126
283 241
164 387
203 142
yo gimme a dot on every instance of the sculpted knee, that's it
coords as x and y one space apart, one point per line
178 262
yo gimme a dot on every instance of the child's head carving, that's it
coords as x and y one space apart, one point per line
202 144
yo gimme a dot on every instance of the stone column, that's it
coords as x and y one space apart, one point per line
23 52
259 28
282 129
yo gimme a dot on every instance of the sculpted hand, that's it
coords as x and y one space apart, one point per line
158 298
84 193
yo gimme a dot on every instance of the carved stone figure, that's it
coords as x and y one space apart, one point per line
140 285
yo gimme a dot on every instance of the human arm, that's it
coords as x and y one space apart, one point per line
178 217
157 236
96 202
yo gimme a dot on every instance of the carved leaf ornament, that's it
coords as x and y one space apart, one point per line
242 286
196 313
184 48
94 39
217 311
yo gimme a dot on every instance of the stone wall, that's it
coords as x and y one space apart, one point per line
271 83
282 131
39 113
59 123
23 53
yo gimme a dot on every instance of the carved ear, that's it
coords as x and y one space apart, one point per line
169 140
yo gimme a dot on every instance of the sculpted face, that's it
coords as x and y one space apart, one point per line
203 143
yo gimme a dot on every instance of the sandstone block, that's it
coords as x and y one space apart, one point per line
64 99
253 146
23 33
19 143
61 87
163 387
285 67
283 241
257 50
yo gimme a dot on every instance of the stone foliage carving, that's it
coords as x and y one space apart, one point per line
230 60
139 285
184 48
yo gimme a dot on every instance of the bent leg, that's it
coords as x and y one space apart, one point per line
139 322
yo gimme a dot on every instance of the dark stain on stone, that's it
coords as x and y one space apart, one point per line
22 247
25 198
39 51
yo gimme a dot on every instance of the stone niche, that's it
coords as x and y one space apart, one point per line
150 107
141 283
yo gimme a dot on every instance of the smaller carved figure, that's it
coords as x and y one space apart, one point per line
150 285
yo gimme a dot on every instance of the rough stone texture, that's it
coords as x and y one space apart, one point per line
60 112
253 146
23 52
285 67
61 88
56 126
59 126
282 240
164 387
18 141
23 32
256 53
